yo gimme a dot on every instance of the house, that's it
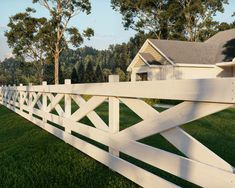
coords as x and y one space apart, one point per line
171 59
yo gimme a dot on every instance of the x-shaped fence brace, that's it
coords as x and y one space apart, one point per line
200 165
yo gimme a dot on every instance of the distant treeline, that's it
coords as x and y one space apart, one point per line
81 65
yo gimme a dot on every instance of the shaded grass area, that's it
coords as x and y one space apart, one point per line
30 157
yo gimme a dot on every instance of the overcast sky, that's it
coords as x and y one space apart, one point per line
106 23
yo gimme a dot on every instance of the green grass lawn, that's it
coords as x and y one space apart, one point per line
31 157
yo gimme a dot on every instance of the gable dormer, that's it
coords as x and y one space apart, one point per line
148 55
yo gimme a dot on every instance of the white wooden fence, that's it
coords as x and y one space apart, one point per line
202 98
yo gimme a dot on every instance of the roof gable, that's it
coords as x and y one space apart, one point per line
148 58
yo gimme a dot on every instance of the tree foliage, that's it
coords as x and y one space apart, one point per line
89 73
74 76
167 19
16 71
61 12
99 74
28 39
81 73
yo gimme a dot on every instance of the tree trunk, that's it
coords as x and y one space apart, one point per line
56 68
41 76
57 47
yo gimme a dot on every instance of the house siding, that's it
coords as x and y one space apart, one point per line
174 73
198 72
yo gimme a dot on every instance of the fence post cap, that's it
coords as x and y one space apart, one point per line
67 81
21 84
113 78
44 83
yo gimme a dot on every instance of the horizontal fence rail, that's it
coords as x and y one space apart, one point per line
47 105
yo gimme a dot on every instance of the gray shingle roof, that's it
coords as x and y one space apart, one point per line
219 48
226 48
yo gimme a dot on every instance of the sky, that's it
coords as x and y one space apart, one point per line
106 23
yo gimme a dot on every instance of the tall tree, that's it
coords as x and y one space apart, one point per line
99 74
122 75
185 19
106 73
28 40
81 73
89 74
74 76
147 15
61 12
198 16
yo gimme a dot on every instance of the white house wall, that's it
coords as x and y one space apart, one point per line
140 69
201 72
170 72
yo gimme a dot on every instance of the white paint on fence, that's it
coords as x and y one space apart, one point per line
202 97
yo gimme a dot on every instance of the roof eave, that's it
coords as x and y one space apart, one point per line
226 64
194 65
134 61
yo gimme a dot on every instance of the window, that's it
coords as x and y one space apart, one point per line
142 76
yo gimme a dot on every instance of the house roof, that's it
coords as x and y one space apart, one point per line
187 52
219 48
226 45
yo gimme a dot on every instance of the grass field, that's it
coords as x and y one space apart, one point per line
31 157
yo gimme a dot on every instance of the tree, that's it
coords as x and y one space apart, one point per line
74 76
223 26
81 73
106 73
99 74
16 70
27 39
198 16
61 12
61 74
89 74
49 70
122 75
184 19
148 15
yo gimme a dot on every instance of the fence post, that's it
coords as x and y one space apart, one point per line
9 94
113 114
14 96
5 95
44 103
30 100
67 106
1 95
21 99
